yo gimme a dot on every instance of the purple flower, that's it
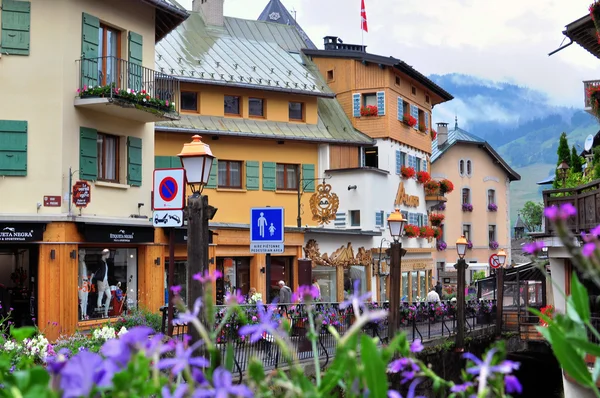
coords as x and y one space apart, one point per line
588 249
533 247
183 358
207 276
512 385
232 299
563 212
356 299
223 387
416 346
484 369
120 350
406 367
266 324
82 372
57 362
394 394
305 293
188 316
457 388
178 393
176 289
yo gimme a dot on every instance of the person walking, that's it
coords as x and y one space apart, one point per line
438 288
285 293
432 296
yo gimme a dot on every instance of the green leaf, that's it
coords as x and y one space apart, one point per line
580 299
589 348
23 333
399 344
256 370
335 373
545 333
374 368
596 371
569 358
229 357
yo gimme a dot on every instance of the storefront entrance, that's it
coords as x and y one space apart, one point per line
18 276
236 276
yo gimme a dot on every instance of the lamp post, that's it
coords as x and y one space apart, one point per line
461 268
562 172
500 290
197 160
396 224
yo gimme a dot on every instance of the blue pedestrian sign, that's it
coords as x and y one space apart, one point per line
267 230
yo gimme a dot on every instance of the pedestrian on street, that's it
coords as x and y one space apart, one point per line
438 288
285 293
432 296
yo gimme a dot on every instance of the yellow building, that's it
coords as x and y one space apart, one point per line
247 90
100 141
479 207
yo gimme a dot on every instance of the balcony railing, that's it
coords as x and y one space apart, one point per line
586 86
585 198
128 84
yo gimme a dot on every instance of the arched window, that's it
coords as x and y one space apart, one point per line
466 196
461 167
469 168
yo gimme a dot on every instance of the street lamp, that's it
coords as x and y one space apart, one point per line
500 289
562 172
396 224
197 158
461 268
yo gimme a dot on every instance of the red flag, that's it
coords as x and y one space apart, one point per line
363 17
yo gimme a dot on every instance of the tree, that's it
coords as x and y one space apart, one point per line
531 214
576 163
477 275
564 155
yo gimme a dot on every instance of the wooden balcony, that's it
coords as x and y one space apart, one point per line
586 86
585 198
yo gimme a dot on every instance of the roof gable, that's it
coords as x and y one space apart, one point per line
275 12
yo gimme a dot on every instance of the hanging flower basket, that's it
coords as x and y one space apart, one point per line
437 233
433 134
407 172
446 186
432 187
467 207
411 231
423 177
493 207
441 246
410 120
369 110
493 245
436 219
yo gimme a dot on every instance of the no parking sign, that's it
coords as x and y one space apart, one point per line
169 189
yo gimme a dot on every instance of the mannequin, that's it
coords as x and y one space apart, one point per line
102 279
84 286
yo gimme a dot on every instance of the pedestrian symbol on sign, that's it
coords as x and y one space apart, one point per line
272 229
262 223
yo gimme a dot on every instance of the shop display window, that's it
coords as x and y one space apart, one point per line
180 279
355 272
327 279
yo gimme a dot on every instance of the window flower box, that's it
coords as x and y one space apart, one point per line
433 134
426 232
493 207
409 120
446 186
407 172
141 97
423 177
493 245
441 246
411 231
436 219
369 110
467 207
432 187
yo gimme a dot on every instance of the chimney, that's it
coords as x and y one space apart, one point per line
334 43
442 134
211 11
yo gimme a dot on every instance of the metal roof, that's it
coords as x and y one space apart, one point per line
583 32
204 55
547 181
285 36
275 12
460 136
519 223
169 15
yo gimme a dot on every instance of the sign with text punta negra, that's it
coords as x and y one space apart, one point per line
118 234
21 232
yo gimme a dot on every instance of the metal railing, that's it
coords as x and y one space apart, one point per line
586 87
419 320
116 78
585 199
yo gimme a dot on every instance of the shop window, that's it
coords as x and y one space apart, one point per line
287 177
236 276
18 273
230 174
108 157
355 218
189 101
107 282
371 157
180 279
232 105
281 270
414 284
383 288
256 107
355 273
296 111
405 286
423 285
327 279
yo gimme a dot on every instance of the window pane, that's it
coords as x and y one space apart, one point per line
232 105
100 146
423 283
110 158
296 110
461 167
327 280
465 195
100 53
404 286
189 101
369 99
280 176
292 180
222 174
255 107
234 174
111 51
415 286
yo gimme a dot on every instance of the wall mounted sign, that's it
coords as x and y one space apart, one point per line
52 201
118 234
490 178
82 194
402 198
21 232
324 204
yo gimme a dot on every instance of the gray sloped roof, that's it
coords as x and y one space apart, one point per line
285 36
519 223
460 136
275 12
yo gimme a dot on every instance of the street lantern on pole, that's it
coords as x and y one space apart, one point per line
500 290
197 159
461 268
562 172
396 224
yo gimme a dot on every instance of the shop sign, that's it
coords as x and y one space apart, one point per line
419 266
118 234
82 194
19 232
402 198
52 201
324 204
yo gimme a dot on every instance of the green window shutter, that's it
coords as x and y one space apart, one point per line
16 22
88 154
134 161
13 148
252 175
167 162
214 172
135 61
308 173
90 30
268 176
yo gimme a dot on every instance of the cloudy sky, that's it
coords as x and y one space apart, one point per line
505 40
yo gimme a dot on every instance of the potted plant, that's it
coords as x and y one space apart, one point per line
409 120
437 233
433 134
426 232
469 245
369 110
446 186
423 177
441 246
436 219
493 207
411 231
494 245
432 187
407 172
422 128
467 207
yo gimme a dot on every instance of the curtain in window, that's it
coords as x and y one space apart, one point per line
110 159
234 174
280 176
292 180
222 174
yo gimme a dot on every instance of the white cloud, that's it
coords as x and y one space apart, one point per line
502 41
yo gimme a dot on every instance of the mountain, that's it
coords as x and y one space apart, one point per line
522 124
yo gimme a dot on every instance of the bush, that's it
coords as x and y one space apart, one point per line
140 317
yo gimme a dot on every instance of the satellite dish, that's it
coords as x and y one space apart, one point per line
589 141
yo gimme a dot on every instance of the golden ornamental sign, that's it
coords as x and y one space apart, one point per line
402 198
324 204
